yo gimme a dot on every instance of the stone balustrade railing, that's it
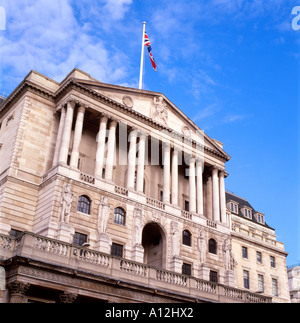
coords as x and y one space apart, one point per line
32 246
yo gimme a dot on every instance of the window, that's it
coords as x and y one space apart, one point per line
246 279
161 195
186 238
260 283
84 204
119 216
247 213
275 287
234 207
187 206
212 246
15 233
272 262
213 276
79 238
245 252
186 269
260 218
258 257
117 250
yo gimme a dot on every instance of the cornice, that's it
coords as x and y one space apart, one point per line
70 84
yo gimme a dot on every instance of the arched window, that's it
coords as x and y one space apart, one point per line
84 204
212 246
119 216
186 238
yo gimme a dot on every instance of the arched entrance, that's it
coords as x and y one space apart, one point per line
154 243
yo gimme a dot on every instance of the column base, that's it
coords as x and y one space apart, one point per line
104 243
229 279
204 272
138 253
176 264
65 232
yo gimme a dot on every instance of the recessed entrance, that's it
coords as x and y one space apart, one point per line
154 243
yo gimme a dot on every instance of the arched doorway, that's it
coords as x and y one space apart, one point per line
154 243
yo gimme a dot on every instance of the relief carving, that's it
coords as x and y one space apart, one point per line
66 203
159 112
103 214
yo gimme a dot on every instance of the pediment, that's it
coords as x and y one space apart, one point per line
157 107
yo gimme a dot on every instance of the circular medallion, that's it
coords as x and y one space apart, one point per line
127 101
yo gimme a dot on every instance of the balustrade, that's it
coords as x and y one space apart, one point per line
41 248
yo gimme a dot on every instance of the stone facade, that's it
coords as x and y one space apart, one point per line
294 283
260 260
111 194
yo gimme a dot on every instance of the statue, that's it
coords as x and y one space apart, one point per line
202 246
103 214
137 233
175 239
66 203
161 112
227 255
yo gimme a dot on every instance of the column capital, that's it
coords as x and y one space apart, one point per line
18 288
67 297
113 122
81 109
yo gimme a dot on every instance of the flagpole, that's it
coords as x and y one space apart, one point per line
142 57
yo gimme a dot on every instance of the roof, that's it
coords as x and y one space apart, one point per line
241 203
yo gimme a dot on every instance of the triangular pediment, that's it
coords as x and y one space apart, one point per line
155 106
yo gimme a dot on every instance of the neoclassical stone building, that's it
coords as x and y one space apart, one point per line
111 194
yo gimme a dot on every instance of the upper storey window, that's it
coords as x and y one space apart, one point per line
84 204
259 218
233 207
247 213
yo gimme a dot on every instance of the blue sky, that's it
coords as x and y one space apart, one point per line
232 66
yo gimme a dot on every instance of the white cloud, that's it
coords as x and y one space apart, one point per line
45 36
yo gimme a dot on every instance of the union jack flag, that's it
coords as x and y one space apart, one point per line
147 43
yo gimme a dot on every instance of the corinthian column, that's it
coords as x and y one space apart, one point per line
66 136
100 147
216 197
111 147
166 189
222 198
131 159
141 164
59 135
175 176
199 182
77 137
192 185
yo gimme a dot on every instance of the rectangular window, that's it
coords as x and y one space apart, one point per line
258 257
187 206
187 269
275 287
272 262
117 250
79 238
213 276
246 279
260 283
15 233
245 252
233 207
